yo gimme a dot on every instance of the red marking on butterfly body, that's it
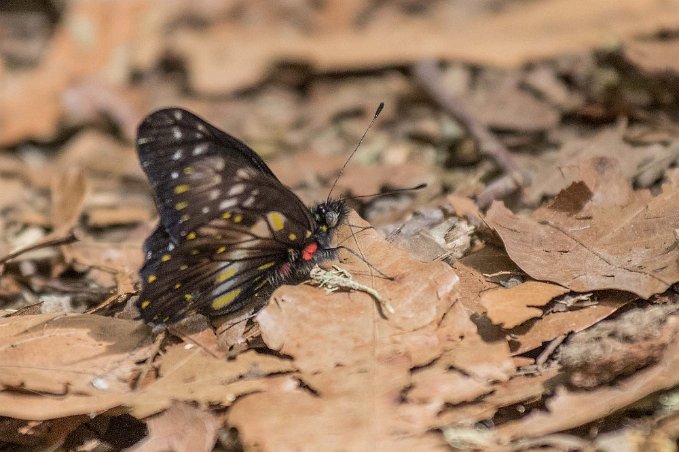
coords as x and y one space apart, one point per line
309 251
284 270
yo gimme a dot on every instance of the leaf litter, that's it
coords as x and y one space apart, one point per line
505 322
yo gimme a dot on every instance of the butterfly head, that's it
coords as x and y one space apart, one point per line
328 215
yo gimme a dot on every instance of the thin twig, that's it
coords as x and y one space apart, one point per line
45 243
157 343
428 76
547 352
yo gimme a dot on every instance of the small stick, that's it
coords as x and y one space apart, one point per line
44 243
428 76
547 352
157 343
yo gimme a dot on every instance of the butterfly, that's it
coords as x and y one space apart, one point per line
229 229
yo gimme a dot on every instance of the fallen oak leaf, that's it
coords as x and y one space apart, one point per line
565 407
513 306
532 335
299 318
62 353
189 374
597 234
167 431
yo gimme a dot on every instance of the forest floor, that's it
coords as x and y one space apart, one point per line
532 295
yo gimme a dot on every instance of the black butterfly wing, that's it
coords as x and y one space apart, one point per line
169 141
227 224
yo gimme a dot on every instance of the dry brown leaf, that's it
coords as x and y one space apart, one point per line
44 407
533 335
556 170
565 408
99 153
189 374
104 216
356 363
597 234
348 324
521 388
433 385
511 307
507 107
69 189
95 38
168 431
513 36
654 57
357 409
82 354
121 257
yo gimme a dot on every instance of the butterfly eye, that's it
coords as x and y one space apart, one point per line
331 218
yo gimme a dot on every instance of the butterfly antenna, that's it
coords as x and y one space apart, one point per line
377 113
387 193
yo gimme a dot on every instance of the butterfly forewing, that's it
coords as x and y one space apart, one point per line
226 223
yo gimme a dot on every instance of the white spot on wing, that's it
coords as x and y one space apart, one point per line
201 148
176 131
214 194
227 203
177 155
249 202
178 115
144 140
236 189
242 174
174 174
201 127
205 209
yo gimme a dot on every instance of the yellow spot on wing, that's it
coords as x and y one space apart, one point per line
223 276
166 257
265 266
188 296
191 235
277 220
292 236
179 189
261 284
151 278
225 299
324 228
226 215
177 286
220 250
145 304
308 234
181 205
188 170
183 267
237 219
184 217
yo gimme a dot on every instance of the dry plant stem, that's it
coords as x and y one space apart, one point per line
338 278
547 352
70 238
428 77
149 362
